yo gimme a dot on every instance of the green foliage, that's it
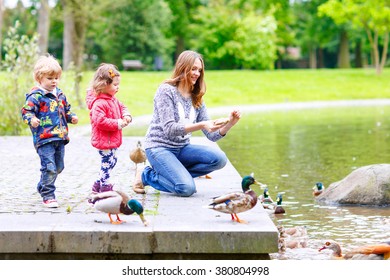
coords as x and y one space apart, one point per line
371 15
133 29
20 55
233 34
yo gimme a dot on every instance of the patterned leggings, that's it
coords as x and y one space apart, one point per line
109 161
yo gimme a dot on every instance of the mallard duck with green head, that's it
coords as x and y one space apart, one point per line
237 202
266 200
279 208
318 189
117 202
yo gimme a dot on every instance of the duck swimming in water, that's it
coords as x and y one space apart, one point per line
318 189
266 200
379 251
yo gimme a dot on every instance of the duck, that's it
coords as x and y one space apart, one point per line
237 202
292 238
297 231
385 221
265 199
279 208
138 155
380 251
318 189
117 202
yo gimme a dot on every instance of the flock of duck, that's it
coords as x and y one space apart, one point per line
117 202
295 237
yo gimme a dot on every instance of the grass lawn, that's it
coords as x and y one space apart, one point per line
233 87
226 88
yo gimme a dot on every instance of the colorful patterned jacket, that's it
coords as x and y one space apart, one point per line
52 111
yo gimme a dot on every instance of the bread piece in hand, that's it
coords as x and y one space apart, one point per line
221 121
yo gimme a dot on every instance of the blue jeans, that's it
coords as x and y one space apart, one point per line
52 163
173 169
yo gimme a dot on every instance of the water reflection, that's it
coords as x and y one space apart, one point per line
290 151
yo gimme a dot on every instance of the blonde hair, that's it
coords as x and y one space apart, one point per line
181 77
103 77
46 65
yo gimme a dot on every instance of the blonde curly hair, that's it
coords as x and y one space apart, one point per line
46 65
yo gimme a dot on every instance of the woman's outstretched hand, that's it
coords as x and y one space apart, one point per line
234 117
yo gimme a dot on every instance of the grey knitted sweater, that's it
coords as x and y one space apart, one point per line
171 112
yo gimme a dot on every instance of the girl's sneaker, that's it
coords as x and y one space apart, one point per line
106 188
50 203
96 187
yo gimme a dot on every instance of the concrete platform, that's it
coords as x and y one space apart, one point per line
179 228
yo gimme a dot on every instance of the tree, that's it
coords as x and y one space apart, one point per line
316 34
183 14
132 29
1 28
43 26
371 15
76 16
234 34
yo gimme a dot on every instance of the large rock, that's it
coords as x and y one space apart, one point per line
368 185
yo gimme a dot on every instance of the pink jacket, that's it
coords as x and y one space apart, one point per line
105 110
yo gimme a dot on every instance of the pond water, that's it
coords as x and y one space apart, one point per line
290 151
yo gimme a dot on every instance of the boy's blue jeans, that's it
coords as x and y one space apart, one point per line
52 163
173 169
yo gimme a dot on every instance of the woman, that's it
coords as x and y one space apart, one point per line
179 110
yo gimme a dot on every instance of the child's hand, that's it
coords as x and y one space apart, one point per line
122 123
35 122
127 119
75 119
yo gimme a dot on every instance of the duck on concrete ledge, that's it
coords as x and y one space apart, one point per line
138 155
237 202
117 202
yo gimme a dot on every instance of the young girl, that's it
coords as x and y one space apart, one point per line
179 109
108 116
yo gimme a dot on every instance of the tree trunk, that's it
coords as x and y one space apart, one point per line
343 56
179 46
75 26
384 51
43 26
1 26
374 47
358 54
67 55
312 57
320 58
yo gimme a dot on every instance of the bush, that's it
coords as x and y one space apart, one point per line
21 53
